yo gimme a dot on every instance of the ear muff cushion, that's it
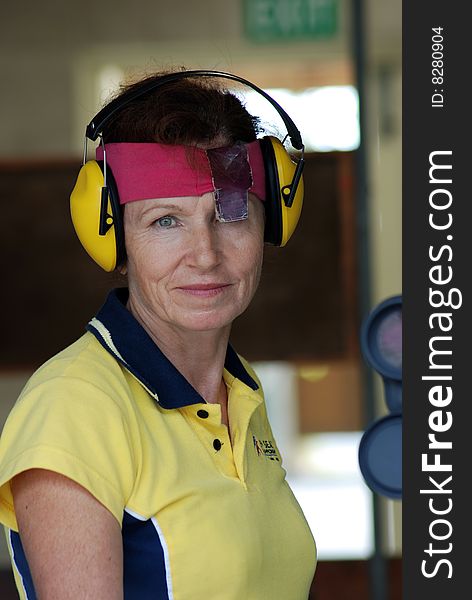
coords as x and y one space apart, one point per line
85 202
117 214
273 210
281 221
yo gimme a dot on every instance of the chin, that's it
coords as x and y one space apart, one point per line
207 321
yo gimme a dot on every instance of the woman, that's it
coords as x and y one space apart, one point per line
139 462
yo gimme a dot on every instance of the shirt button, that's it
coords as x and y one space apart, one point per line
217 444
203 414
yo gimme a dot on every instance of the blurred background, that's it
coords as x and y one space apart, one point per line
335 66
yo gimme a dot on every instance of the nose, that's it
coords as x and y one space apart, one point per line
205 253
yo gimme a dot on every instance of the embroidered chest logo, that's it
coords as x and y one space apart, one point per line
265 448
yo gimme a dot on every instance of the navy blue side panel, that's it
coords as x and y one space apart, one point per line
144 562
21 563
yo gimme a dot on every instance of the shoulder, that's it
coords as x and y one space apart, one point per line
81 388
85 364
74 417
85 358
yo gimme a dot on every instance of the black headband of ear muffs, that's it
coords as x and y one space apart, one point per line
98 123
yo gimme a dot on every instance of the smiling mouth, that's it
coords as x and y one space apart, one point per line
204 290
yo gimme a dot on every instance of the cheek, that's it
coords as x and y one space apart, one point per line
257 268
146 262
249 257
251 245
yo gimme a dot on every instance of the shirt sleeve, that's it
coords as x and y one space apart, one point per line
71 427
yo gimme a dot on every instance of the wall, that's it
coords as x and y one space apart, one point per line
48 58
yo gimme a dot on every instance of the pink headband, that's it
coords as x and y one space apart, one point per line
151 170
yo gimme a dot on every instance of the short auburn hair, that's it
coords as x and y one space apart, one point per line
187 111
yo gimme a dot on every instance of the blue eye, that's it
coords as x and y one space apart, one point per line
166 222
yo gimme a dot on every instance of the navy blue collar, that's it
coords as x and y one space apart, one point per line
120 333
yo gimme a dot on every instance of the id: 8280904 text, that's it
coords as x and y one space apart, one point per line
437 67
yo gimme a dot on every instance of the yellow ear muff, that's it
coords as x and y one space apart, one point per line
281 220
285 172
85 208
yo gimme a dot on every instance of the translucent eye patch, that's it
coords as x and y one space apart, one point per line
232 179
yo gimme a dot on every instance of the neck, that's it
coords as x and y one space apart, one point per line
198 355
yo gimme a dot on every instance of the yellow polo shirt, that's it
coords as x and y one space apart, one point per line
206 513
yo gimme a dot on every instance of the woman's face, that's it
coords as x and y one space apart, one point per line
185 268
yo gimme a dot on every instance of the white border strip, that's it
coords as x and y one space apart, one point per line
12 555
106 335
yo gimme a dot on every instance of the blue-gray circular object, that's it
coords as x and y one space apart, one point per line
380 456
381 338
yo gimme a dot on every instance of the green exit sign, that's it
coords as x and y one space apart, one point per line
279 20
